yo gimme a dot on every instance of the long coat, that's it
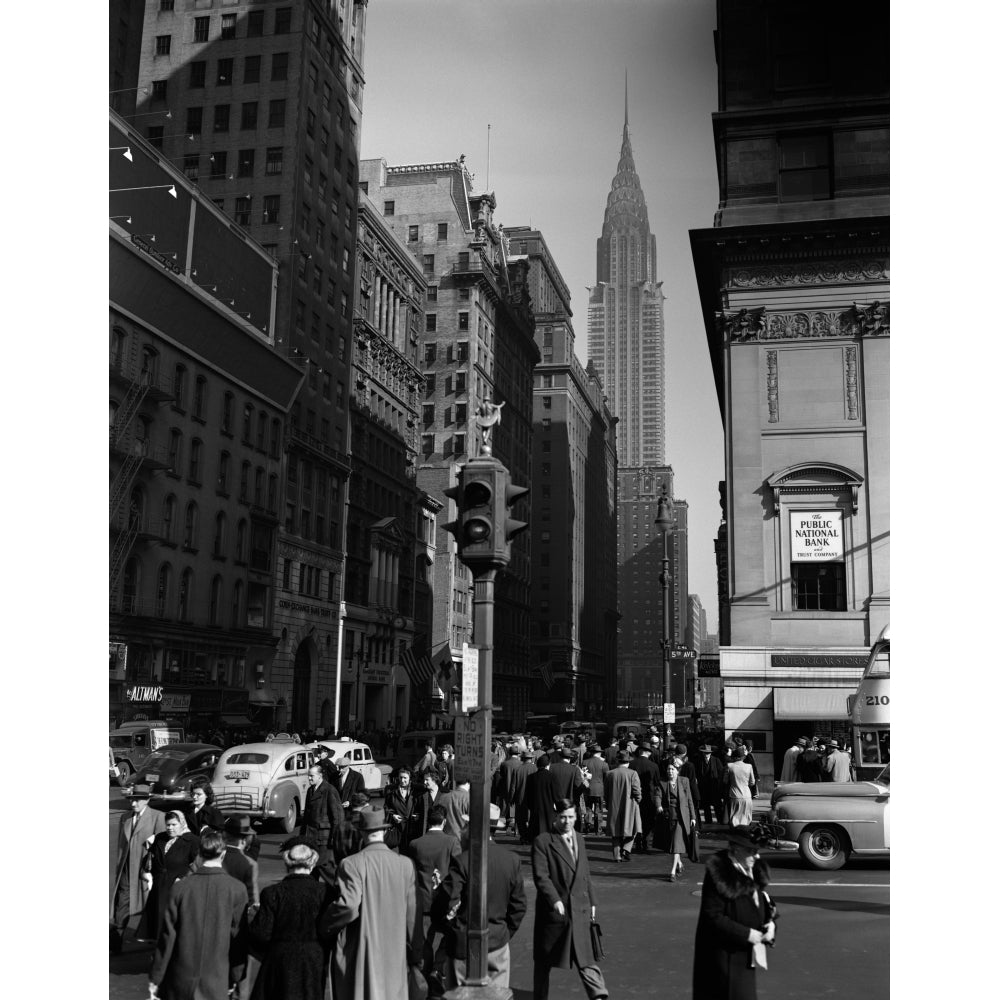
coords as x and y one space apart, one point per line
434 850
294 961
557 938
722 951
348 785
197 953
540 794
686 814
598 768
649 775
622 793
166 868
132 851
322 813
567 777
711 775
506 781
397 804
375 915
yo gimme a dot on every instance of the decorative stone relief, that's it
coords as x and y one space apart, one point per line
873 320
772 387
851 381
833 272
760 324
747 324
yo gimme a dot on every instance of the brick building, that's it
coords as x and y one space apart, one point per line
199 398
478 345
794 285
573 514
259 104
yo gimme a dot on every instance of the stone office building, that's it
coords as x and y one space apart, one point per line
794 285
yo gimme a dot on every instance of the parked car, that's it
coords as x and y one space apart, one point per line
829 821
375 775
132 742
266 781
170 770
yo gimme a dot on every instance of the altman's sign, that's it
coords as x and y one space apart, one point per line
143 692
817 536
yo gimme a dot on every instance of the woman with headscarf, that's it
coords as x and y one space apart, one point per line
205 814
739 779
675 817
400 805
169 859
293 962
736 922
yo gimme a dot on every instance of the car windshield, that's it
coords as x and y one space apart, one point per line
121 742
247 758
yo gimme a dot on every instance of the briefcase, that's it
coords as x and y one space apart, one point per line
596 940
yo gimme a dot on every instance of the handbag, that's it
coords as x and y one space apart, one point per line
596 940
693 853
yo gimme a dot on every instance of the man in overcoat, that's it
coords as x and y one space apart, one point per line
136 831
565 906
711 778
736 916
348 782
788 761
623 793
505 786
323 815
594 793
518 793
541 793
566 772
372 921
200 953
649 775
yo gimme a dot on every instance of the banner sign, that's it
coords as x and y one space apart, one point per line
817 536
470 676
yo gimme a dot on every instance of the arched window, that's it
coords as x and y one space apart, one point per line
275 438
150 365
175 449
237 605
245 482
194 462
227 413
248 424
163 579
180 386
119 341
222 483
200 392
191 525
219 544
130 586
215 607
169 516
261 431
258 487
140 445
185 595
272 493
241 541
136 508
112 413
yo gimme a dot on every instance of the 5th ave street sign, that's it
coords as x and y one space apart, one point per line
683 654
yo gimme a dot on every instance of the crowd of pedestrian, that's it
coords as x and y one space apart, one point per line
376 900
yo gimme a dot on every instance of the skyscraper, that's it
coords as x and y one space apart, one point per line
625 319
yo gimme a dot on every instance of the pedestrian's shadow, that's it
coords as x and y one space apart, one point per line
131 962
523 994
844 905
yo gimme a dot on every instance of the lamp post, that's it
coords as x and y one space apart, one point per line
663 525
360 657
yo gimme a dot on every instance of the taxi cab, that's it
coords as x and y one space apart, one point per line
829 821
375 775
266 781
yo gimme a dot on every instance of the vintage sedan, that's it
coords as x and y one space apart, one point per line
265 781
829 821
375 775
170 771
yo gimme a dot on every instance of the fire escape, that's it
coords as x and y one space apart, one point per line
134 451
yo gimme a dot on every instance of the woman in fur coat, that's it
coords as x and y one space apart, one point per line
736 914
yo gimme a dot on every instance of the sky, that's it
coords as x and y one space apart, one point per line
549 79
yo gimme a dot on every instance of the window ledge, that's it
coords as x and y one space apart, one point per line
791 615
189 548
198 419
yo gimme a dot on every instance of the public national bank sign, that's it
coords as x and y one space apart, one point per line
817 536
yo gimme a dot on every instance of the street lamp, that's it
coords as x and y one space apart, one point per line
663 525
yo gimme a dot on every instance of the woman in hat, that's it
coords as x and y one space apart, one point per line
675 817
205 814
169 859
293 961
739 781
736 919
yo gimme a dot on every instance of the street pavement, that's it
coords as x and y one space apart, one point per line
832 940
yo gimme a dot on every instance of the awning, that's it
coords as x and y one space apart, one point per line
811 703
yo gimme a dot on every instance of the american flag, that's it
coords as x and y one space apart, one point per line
416 662
545 669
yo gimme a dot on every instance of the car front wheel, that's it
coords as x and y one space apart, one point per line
291 818
824 847
124 772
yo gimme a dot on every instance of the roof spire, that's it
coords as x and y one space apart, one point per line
626 97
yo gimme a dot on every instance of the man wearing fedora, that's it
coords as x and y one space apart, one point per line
649 775
623 794
838 763
788 761
711 778
236 829
323 814
347 781
136 831
372 922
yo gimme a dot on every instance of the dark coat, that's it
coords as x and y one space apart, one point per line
197 954
208 816
166 868
422 807
558 937
506 903
396 804
349 785
722 951
293 962
541 794
323 813
711 777
687 771
567 777
237 864
506 779
649 776
685 814
519 781
434 850
809 766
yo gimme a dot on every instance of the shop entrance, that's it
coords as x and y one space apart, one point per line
302 672
787 731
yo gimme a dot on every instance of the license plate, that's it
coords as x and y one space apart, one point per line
152 777
237 775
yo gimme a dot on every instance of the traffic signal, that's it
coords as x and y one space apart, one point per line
512 527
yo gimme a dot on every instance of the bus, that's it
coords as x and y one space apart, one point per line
869 711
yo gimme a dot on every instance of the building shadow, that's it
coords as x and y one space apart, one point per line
843 905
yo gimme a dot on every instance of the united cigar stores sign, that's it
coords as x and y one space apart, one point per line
817 536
